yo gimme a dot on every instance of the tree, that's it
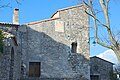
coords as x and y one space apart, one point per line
1 40
4 4
7 3
112 41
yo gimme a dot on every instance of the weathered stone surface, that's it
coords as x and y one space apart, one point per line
101 67
53 48
50 42
10 61
4 67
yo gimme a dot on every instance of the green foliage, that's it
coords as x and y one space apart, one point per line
1 40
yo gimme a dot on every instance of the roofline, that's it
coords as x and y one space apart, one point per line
4 23
45 20
80 5
50 19
102 59
63 9
54 13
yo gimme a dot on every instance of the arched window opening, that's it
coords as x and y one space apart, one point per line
11 64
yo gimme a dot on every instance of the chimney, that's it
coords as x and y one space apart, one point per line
16 16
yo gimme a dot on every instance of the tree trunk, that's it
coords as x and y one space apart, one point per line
117 52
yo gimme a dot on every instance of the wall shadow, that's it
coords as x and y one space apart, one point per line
57 60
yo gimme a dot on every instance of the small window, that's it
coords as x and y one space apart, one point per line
34 69
74 47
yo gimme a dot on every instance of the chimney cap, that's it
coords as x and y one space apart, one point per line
16 9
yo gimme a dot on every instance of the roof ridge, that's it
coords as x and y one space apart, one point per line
49 19
68 8
40 21
80 5
7 23
102 59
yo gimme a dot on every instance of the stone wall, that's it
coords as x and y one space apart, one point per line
9 70
49 42
10 58
101 68
4 67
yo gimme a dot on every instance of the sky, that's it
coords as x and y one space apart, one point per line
35 10
109 56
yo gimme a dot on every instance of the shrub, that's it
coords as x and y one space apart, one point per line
1 41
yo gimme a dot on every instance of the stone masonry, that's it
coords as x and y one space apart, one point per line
60 45
49 42
10 59
100 69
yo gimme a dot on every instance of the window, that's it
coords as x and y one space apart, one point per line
34 69
74 47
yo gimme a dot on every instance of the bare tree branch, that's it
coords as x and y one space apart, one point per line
18 1
114 42
96 36
7 4
95 18
93 15
105 10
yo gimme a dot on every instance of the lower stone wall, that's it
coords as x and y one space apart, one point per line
55 79
4 67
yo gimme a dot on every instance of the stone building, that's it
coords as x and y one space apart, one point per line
100 69
51 49
10 59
